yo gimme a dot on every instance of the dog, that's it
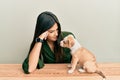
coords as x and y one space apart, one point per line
81 56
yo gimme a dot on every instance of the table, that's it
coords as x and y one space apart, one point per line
57 72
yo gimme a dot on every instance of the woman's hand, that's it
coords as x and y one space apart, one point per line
44 35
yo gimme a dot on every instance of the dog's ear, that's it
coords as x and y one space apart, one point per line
70 42
70 35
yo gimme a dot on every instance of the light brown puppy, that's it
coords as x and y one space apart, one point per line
80 55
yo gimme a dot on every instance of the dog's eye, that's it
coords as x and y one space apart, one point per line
64 42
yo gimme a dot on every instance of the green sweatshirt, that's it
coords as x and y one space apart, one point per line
48 56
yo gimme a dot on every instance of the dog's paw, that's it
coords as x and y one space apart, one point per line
69 65
104 79
81 70
70 71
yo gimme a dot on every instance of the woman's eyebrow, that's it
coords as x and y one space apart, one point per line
53 30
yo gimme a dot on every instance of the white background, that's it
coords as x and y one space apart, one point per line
95 23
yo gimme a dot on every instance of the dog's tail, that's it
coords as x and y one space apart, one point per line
101 74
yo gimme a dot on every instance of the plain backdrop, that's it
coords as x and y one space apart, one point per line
95 23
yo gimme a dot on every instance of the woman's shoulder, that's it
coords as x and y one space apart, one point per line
65 33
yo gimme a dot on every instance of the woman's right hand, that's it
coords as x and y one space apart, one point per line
44 35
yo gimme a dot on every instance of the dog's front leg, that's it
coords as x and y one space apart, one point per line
73 64
69 66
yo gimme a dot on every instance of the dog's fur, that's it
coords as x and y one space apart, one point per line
80 55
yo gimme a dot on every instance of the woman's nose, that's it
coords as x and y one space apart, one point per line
56 33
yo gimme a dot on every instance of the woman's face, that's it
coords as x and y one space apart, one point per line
53 33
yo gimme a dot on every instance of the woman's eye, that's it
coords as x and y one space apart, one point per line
51 31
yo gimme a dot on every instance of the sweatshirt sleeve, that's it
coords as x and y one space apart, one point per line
25 64
65 33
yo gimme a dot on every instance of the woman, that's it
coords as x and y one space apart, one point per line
45 46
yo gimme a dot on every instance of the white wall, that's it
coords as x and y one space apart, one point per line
95 23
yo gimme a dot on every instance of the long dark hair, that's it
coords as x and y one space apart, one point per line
44 22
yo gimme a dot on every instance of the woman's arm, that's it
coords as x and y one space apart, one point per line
35 53
34 57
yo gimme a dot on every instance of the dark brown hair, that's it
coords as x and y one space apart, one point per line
44 22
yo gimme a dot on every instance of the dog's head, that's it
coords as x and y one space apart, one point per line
67 42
